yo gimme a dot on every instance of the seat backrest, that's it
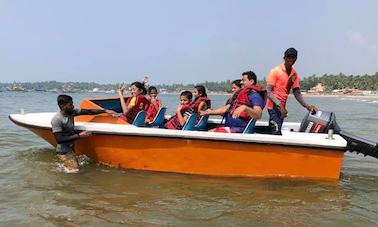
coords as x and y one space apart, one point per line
159 118
191 122
250 126
202 123
140 118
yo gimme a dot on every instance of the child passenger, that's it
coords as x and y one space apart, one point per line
154 106
183 111
135 103
201 102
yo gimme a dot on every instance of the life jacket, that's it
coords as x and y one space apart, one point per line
229 102
233 97
242 99
196 104
173 122
141 103
152 111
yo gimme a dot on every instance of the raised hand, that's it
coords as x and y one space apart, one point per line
145 79
121 88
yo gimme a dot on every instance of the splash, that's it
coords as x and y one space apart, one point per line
83 160
60 167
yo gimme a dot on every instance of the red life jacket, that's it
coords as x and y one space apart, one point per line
242 99
141 103
233 97
152 111
173 122
196 104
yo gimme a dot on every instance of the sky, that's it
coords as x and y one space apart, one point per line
182 41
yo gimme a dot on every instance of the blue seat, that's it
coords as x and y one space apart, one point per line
159 118
202 123
250 126
140 118
190 123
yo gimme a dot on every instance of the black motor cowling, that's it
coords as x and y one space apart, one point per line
319 122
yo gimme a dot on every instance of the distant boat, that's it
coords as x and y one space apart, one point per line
16 87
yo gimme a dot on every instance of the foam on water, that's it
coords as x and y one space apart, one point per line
60 167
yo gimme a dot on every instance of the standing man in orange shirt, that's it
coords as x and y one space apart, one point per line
281 80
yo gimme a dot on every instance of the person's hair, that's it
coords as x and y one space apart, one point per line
187 94
140 86
201 90
63 99
152 88
251 76
237 83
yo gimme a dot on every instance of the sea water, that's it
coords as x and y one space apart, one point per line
34 192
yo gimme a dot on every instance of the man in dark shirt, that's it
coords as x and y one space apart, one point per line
63 129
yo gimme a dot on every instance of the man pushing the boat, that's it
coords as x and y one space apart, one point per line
63 129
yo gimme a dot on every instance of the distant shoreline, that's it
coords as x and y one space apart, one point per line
375 96
370 97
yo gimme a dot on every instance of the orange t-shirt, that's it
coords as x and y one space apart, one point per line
279 79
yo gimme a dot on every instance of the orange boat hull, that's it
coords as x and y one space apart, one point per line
208 157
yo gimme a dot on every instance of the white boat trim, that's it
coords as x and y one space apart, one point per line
291 138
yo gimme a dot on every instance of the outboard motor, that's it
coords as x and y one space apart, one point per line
318 122
322 121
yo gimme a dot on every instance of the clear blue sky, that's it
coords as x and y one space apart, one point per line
182 41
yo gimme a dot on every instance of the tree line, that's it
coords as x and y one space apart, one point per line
340 81
332 82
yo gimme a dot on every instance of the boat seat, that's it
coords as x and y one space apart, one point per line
250 126
190 123
140 118
159 118
202 123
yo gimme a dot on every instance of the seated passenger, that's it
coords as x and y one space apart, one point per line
183 111
135 103
247 105
201 102
154 106
235 89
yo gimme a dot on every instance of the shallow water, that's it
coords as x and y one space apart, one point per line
34 191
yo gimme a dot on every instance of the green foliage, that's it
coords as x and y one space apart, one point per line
339 81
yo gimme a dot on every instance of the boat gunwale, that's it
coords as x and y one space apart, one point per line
187 136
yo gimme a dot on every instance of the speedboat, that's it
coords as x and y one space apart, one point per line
312 149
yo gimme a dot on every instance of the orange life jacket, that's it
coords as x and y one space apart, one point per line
242 99
196 104
152 111
173 122
141 103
